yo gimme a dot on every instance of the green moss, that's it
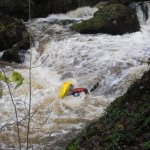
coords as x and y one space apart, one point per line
111 18
91 25
146 144
73 146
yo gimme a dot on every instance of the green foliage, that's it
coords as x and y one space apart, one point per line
147 121
146 144
3 78
16 78
73 145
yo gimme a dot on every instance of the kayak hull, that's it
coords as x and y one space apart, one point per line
64 90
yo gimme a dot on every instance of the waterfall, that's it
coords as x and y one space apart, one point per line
143 11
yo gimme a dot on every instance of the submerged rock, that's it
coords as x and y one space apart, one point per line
111 18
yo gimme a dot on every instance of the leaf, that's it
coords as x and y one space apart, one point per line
3 78
6 80
147 121
1 93
146 144
17 77
19 84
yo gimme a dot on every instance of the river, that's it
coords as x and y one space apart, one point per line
58 55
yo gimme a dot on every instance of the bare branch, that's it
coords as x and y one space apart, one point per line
15 108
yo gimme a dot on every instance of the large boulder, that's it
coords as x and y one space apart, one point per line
112 18
11 32
14 39
17 52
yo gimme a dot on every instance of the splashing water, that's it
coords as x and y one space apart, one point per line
62 55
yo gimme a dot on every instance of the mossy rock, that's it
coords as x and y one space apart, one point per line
112 18
12 31
125 124
14 39
100 5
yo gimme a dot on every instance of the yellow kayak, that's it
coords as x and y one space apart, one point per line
64 90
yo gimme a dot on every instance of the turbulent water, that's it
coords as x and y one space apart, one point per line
58 55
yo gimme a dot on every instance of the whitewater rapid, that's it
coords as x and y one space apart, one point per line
58 55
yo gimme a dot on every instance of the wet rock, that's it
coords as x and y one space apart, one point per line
11 31
111 18
3 43
100 5
11 55
14 39
17 53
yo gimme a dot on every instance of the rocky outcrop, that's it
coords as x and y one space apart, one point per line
11 31
112 18
17 52
13 38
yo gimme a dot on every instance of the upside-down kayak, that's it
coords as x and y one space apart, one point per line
64 90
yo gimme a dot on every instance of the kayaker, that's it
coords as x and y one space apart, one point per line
68 89
76 91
